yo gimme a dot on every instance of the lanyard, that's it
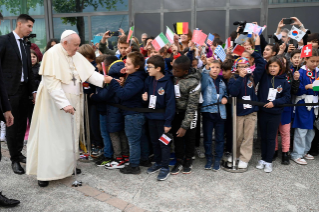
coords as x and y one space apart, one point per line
154 86
273 82
245 84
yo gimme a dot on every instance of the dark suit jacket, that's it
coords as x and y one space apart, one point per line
11 65
4 101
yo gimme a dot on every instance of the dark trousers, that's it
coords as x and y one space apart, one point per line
95 132
315 142
268 124
15 134
199 120
161 151
211 121
30 111
184 146
229 129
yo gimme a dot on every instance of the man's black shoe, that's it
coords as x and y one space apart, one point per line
22 159
5 202
17 168
43 183
130 170
78 171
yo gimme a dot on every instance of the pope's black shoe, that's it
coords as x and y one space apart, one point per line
5 202
22 159
17 168
78 171
43 183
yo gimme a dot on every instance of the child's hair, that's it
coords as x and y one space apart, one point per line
251 41
233 35
295 51
183 62
122 40
33 52
87 51
163 50
216 35
286 64
137 59
217 42
315 52
190 34
136 40
157 61
217 62
276 59
109 60
274 47
227 64
101 58
229 57
314 37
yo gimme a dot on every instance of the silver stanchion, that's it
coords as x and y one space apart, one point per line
232 166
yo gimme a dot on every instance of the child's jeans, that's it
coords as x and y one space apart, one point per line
211 121
161 150
302 142
268 124
285 137
108 149
120 144
245 136
133 130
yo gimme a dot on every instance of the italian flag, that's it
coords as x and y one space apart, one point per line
228 43
182 28
315 85
130 34
170 35
160 41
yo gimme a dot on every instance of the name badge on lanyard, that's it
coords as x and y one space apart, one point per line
272 94
177 91
247 105
152 103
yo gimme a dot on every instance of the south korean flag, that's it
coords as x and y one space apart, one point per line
296 33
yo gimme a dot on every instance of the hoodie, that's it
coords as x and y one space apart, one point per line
190 88
131 93
163 89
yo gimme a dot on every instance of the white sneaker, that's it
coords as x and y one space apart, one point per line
268 167
260 164
242 164
308 157
300 161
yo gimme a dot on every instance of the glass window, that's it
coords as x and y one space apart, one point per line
35 7
11 8
210 3
290 1
74 6
244 2
172 18
39 29
140 5
152 26
78 24
7 9
251 15
178 4
212 22
110 22
5 27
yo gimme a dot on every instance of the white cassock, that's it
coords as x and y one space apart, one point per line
50 148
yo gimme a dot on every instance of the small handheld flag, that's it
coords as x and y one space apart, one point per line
103 67
220 52
306 51
182 28
228 43
160 41
296 33
199 37
170 35
165 139
130 34
315 85
210 39
238 50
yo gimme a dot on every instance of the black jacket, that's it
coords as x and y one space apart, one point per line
11 65
37 77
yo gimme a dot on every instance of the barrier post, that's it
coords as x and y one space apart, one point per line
234 114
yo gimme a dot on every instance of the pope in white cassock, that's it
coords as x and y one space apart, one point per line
50 149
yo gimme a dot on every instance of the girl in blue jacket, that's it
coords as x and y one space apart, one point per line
274 90
305 115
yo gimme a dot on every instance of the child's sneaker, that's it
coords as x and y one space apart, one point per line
119 163
126 159
268 167
242 164
177 168
209 164
187 167
163 175
130 170
104 162
308 157
155 168
216 166
260 164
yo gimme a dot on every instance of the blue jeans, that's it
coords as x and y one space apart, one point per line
211 121
108 149
302 142
134 131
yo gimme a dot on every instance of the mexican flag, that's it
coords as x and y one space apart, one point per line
160 41
170 35
130 34
315 85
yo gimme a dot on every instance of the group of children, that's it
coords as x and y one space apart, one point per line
157 102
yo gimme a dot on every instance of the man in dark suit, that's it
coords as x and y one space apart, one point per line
19 82
5 115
